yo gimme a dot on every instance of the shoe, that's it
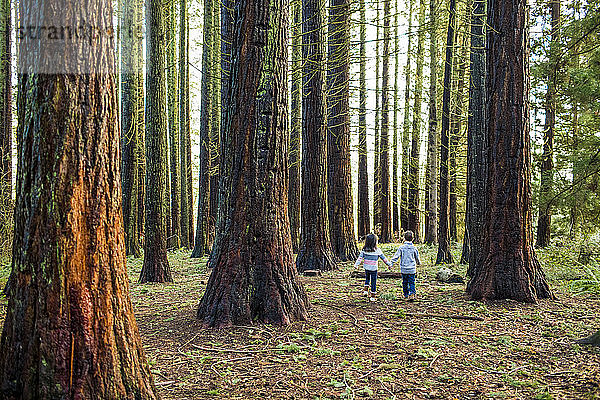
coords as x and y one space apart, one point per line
373 296
411 297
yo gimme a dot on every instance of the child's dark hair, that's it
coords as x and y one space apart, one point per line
370 242
408 236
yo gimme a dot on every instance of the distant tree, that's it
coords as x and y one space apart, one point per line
254 278
202 243
364 220
431 180
444 255
406 127
395 192
296 124
413 171
156 266
385 218
70 330
132 120
547 165
184 124
474 242
511 269
339 172
456 131
315 247
173 114
377 131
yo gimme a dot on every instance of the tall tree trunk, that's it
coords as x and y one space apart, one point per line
547 165
444 255
385 217
364 220
455 133
70 331
6 203
156 266
477 144
377 156
414 223
215 136
202 243
395 210
406 128
315 247
225 59
184 121
339 173
132 120
262 286
431 181
175 222
296 122
511 269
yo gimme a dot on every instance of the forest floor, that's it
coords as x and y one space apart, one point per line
391 349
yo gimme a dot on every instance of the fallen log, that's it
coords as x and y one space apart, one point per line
380 274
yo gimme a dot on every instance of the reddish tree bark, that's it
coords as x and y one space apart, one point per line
156 266
254 278
339 173
70 331
511 269
315 247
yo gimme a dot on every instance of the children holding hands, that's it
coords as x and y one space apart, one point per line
407 254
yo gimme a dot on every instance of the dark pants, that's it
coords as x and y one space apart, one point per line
371 276
408 284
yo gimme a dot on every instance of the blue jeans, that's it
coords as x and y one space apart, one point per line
408 284
371 276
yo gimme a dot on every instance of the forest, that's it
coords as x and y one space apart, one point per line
299 199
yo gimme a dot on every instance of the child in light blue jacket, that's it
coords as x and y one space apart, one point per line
409 259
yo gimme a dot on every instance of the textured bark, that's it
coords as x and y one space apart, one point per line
132 121
184 123
547 165
156 266
254 279
377 132
174 150
431 180
414 223
296 126
511 269
477 144
406 128
215 135
339 173
70 331
385 218
444 255
202 243
395 210
364 219
315 247
6 202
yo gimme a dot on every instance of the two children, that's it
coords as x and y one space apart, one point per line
409 259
